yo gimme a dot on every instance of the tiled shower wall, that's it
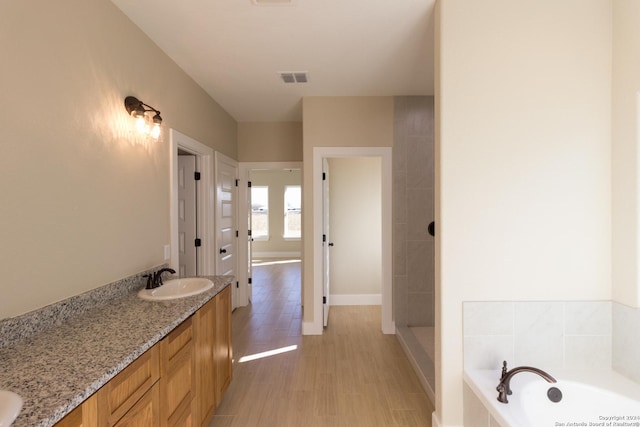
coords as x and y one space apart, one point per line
413 210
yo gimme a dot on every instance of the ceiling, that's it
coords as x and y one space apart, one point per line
235 49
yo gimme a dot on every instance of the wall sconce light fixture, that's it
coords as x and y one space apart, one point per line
144 123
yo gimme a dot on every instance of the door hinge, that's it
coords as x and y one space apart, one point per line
249 184
196 176
324 300
324 238
237 182
249 233
198 243
237 284
250 280
237 234
324 176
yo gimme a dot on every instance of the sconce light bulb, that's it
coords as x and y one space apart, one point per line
141 124
155 131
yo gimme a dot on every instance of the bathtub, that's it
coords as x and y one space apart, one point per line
589 398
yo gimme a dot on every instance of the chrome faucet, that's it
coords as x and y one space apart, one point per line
155 280
504 389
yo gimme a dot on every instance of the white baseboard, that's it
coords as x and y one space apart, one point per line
311 328
361 299
276 255
389 329
435 422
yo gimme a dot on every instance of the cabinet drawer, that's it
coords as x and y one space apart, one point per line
177 383
178 339
125 389
145 413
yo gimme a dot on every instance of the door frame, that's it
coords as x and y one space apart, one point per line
326 242
204 194
385 155
244 170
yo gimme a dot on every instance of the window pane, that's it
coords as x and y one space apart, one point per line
292 211
260 212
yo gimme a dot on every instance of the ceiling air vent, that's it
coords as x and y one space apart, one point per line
294 77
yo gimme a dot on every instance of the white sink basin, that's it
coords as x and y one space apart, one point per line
10 406
176 288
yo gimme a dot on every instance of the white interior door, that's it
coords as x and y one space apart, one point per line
187 217
326 242
226 236
181 144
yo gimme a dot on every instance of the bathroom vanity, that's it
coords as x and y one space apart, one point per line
127 362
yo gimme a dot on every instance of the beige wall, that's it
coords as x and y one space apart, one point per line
84 201
276 180
524 164
270 141
354 225
336 122
625 120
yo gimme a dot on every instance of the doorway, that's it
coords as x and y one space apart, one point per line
320 154
181 145
188 176
355 228
274 241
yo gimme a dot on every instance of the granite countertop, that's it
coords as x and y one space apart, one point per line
56 369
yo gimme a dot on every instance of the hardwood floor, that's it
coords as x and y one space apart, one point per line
353 375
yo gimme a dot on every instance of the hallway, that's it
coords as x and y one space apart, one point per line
353 375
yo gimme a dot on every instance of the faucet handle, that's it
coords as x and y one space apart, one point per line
504 369
506 387
149 281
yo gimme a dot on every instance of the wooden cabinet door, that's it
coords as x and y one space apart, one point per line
177 379
122 392
85 415
145 413
204 331
223 353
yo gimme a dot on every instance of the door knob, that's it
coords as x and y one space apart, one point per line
432 228
223 251
330 243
